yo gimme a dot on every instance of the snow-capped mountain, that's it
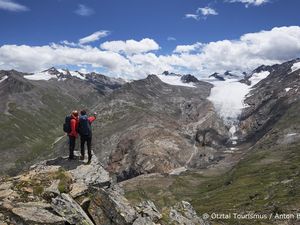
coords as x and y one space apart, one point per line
226 75
187 80
150 127
103 83
53 73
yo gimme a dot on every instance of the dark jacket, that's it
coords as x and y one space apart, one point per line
84 127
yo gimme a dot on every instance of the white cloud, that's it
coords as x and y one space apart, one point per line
131 46
250 2
94 37
36 58
206 11
202 13
188 48
68 43
192 16
250 51
133 59
10 5
171 39
84 10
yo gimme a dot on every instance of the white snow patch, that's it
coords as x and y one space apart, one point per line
3 78
292 134
174 80
76 74
256 77
64 72
228 96
178 171
295 66
287 89
40 76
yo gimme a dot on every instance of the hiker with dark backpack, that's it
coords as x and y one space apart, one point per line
85 132
71 127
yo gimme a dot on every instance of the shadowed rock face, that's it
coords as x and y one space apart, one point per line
269 100
148 126
189 79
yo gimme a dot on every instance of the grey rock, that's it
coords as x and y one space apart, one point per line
6 193
148 209
189 79
78 189
184 214
36 215
42 205
52 190
143 221
2 219
269 101
85 203
111 205
92 174
6 185
69 209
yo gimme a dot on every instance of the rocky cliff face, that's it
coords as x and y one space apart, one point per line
269 100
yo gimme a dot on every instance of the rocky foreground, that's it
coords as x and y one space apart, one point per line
60 191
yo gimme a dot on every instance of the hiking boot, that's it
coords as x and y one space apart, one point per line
81 158
89 160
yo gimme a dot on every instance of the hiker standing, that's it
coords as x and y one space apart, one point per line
71 126
85 132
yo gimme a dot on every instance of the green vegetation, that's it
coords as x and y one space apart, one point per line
64 181
28 132
266 180
36 184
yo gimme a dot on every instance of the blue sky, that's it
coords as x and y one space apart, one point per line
39 23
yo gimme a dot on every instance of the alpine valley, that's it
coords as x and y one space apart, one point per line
169 149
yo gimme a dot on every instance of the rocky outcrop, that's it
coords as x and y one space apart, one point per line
147 209
184 214
269 100
36 215
188 78
217 76
111 205
70 210
45 195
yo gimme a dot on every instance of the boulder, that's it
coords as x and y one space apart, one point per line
143 221
113 206
183 213
91 175
52 191
37 215
6 185
5 193
148 209
78 189
69 209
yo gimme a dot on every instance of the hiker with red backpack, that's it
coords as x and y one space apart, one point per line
85 132
71 128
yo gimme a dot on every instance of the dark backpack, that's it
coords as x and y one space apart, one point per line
84 126
67 124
